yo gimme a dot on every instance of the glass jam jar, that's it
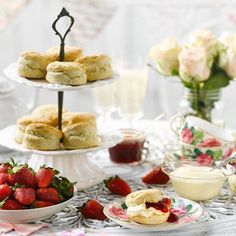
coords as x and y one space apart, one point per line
130 149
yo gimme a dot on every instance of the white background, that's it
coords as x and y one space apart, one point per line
135 26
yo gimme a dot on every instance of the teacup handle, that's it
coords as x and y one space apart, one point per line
176 123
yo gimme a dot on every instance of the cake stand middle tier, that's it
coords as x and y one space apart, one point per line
73 164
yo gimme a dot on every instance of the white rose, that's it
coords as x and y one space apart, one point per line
194 64
227 55
165 55
206 39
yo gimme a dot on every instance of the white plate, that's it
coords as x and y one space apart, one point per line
107 139
11 73
32 215
187 211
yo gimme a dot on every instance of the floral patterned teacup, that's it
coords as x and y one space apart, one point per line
205 155
198 132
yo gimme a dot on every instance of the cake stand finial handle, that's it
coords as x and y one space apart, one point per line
63 13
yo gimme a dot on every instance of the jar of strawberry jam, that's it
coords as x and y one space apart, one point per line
130 149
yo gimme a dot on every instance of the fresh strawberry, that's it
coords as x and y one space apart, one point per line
44 176
92 209
48 195
156 176
39 204
3 178
25 196
118 186
22 175
4 167
10 204
5 191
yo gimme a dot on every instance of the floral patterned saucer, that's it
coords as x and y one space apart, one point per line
186 210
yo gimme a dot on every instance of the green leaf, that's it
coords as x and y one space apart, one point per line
198 136
175 72
197 151
217 154
124 206
189 207
210 153
216 81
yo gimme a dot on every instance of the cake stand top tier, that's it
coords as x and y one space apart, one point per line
11 72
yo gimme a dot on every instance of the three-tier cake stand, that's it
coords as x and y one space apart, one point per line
73 164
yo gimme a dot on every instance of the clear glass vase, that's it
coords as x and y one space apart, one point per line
202 103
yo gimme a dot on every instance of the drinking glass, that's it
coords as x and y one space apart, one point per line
131 90
104 102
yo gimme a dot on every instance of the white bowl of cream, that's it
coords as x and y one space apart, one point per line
197 183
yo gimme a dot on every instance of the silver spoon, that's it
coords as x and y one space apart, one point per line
225 162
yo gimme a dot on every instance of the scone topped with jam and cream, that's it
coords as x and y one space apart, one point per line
148 206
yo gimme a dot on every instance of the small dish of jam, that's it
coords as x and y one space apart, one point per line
130 149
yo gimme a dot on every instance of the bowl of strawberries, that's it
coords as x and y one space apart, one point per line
27 195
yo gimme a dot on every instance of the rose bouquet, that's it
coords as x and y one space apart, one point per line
205 65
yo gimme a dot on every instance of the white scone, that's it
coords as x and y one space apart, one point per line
138 210
42 137
19 136
70 73
70 118
97 67
49 112
80 135
24 121
71 53
32 65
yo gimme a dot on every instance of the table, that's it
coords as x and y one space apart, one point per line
162 141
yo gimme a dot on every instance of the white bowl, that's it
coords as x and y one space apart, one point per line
194 181
31 215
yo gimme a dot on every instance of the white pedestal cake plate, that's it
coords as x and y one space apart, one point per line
11 72
73 164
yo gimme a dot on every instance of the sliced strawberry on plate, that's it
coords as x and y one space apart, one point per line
172 218
25 196
156 176
118 186
92 209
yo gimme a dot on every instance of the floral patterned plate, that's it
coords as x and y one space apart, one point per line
186 210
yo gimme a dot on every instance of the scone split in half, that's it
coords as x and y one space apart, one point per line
148 207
